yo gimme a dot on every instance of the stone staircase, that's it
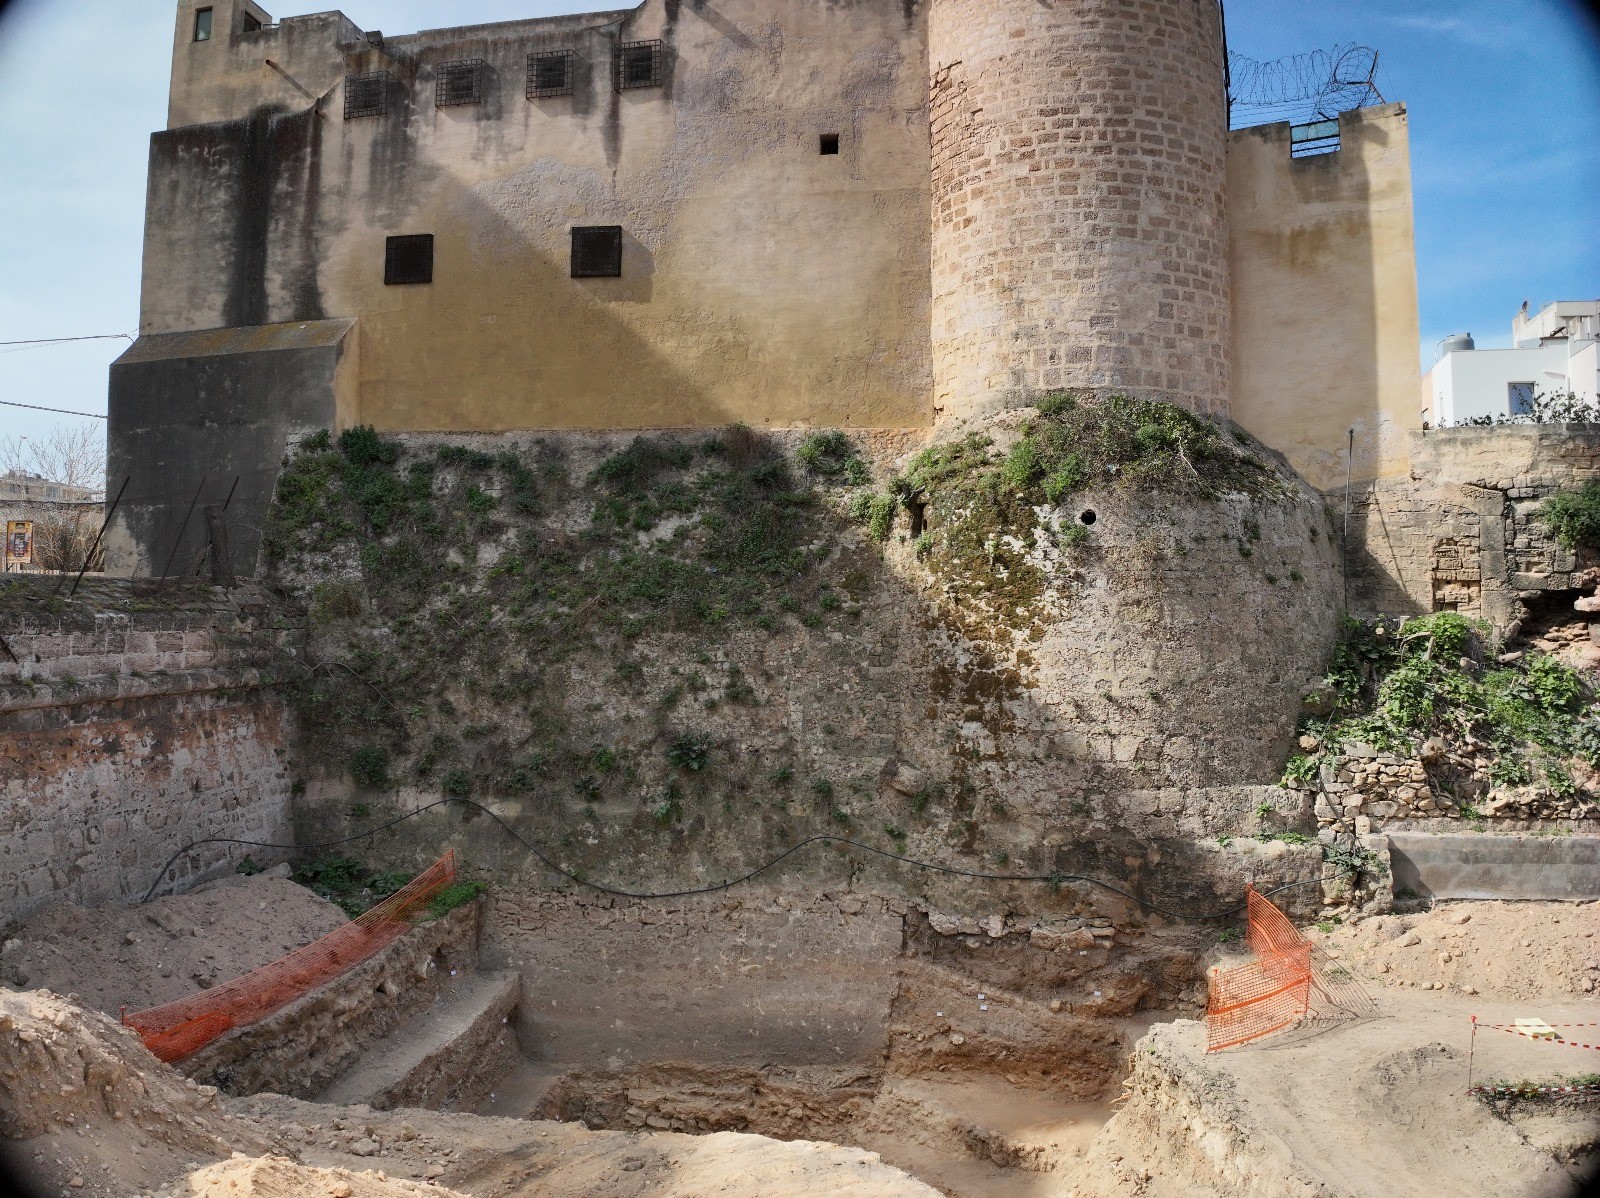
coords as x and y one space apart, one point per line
447 1056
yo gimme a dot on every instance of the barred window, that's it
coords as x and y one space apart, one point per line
638 64
459 82
408 259
366 95
550 74
597 252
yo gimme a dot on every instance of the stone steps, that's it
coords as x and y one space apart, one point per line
447 1057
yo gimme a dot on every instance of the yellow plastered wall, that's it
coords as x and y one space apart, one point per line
763 281
1325 328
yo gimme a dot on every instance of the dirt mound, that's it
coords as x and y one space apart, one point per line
89 1104
276 1177
1517 951
167 949
482 1157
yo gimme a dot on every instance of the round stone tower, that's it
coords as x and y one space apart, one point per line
1079 235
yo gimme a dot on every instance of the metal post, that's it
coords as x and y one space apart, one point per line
1349 469
104 524
183 528
1471 1048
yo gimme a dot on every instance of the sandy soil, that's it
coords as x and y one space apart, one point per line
495 1158
1378 1109
168 949
279 1177
1496 950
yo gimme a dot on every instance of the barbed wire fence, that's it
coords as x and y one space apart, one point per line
1301 88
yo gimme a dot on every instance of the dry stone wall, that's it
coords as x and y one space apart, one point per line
1078 178
132 720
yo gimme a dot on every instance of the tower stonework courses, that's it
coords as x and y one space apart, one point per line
1079 227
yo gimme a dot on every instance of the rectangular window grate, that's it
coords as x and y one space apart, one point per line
1317 137
550 74
458 82
597 252
366 95
408 259
638 64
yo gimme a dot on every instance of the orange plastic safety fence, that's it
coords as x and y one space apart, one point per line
175 1030
1286 984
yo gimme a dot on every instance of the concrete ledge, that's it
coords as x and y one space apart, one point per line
1485 866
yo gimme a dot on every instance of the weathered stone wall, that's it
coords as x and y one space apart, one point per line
1154 705
1078 174
132 721
1307 371
1462 532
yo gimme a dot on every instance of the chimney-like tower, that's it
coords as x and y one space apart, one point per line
1079 234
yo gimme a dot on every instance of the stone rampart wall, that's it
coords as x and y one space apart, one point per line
131 722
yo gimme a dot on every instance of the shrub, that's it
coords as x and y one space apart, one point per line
362 446
691 753
456 783
369 767
1573 517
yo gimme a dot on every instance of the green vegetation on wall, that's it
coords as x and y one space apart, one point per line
1573 517
1438 675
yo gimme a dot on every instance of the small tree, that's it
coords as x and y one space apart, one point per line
69 456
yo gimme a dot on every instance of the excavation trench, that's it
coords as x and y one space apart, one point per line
980 1055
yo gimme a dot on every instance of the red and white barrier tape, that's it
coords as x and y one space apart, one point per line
1527 1034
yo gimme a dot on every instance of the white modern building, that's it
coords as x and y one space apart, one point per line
1553 351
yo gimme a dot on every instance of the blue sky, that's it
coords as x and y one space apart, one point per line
1502 101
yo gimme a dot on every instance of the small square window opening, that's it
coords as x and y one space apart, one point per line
202 25
550 74
459 82
639 64
1519 398
366 95
597 252
252 23
829 144
408 259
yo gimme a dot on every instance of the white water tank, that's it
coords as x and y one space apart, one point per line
1455 343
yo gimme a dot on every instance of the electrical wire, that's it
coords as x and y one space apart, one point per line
63 411
64 340
821 838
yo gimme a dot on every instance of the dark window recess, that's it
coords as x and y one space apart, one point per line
597 252
458 82
638 64
408 259
366 95
202 25
1317 137
550 74
829 144
252 24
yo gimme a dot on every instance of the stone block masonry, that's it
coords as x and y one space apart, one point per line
1078 176
132 721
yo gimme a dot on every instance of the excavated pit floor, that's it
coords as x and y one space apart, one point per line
970 1135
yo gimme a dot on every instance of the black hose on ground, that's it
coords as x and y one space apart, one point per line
1055 879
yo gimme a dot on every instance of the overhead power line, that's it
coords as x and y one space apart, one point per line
33 407
63 340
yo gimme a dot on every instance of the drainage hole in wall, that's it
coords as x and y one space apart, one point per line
1088 517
